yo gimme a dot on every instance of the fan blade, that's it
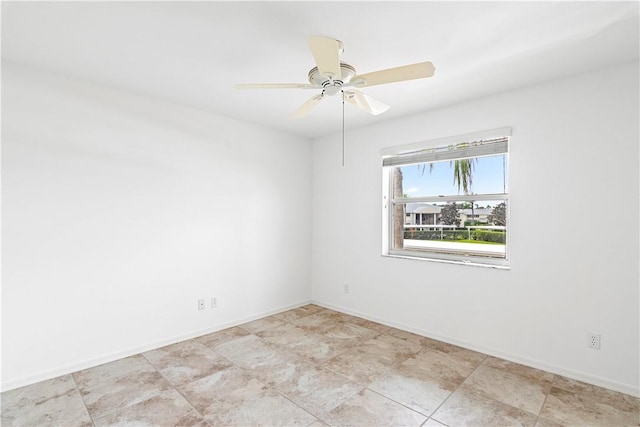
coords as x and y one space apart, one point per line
365 102
274 86
326 53
306 107
407 72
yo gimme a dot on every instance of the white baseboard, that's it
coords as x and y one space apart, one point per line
90 363
569 373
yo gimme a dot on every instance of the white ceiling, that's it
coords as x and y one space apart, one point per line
192 53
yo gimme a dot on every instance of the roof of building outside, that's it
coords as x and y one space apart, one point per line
476 211
422 208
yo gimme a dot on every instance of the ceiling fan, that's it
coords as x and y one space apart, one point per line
332 77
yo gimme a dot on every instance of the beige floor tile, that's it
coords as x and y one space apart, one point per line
466 408
207 395
38 392
303 342
395 350
292 315
234 398
358 366
168 408
47 403
473 357
318 390
413 388
346 333
318 349
441 365
437 345
328 316
204 423
318 322
220 337
262 324
248 352
186 361
432 344
536 375
612 398
409 336
374 326
298 313
543 422
267 408
111 372
433 423
512 389
281 367
370 409
125 382
287 335
570 408
342 317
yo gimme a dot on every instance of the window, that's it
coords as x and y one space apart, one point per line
448 199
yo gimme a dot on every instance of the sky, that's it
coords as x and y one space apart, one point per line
487 178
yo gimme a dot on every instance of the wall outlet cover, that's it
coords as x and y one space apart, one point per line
593 341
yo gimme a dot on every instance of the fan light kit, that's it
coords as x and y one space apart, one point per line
333 77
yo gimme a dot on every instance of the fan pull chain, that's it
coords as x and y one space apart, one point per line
342 128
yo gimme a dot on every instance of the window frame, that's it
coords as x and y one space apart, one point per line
388 201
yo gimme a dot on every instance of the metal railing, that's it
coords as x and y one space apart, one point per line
448 231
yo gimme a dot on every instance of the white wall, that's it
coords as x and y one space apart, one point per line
120 211
574 231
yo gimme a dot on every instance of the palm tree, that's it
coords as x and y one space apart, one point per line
462 170
463 174
398 210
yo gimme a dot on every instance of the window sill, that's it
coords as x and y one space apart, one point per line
496 264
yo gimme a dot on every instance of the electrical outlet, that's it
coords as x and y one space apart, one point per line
346 288
201 305
593 341
214 302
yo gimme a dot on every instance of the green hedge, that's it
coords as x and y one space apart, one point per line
489 236
435 235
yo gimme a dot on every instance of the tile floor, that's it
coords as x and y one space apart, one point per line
315 367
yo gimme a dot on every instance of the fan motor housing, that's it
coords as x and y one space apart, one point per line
332 86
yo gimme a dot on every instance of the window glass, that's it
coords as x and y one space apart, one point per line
454 209
437 178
